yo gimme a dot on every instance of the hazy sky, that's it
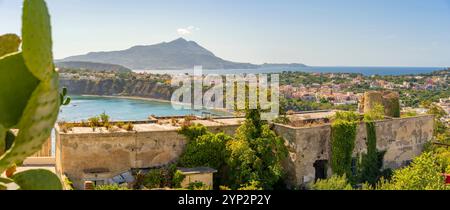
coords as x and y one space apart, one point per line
314 32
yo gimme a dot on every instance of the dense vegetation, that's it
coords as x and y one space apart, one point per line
251 159
426 172
372 162
343 142
292 104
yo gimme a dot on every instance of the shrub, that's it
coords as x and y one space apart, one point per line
104 119
177 179
101 120
84 124
208 150
252 185
198 186
282 120
153 179
120 124
377 113
409 114
128 127
347 116
424 173
164 177
223 187
191 132
333 183
94 122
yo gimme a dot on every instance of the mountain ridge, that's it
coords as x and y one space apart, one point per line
81 65
175 55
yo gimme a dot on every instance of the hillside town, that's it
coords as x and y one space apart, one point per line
347 89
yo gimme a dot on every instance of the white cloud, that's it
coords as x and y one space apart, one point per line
187 31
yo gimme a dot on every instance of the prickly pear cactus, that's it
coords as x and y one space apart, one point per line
9 43
29 98
65 100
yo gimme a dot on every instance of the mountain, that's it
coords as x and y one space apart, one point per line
177 54
92 66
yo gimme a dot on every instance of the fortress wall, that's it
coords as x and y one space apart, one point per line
76 153
402 139
118 152
305 145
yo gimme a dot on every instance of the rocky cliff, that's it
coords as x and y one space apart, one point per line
118 87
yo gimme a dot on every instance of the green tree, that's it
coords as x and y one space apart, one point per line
208 150
255 154
439 127
423 174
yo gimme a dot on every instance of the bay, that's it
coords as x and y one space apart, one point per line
84 107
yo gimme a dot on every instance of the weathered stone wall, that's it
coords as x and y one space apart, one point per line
402 139
77 153
118 152
305 145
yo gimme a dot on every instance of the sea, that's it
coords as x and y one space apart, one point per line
367 71
124 109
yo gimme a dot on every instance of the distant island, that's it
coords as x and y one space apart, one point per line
175 55
91 66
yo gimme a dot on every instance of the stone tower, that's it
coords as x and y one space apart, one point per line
389 99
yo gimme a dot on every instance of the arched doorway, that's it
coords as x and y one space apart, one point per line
321 167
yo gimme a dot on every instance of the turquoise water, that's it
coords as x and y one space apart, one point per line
368 71
84 107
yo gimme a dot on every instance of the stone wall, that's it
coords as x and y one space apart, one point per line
305 145
114 153
402 139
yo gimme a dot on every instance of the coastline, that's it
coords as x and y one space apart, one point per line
364 70
154 100
130 97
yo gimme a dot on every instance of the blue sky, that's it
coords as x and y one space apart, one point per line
314 32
